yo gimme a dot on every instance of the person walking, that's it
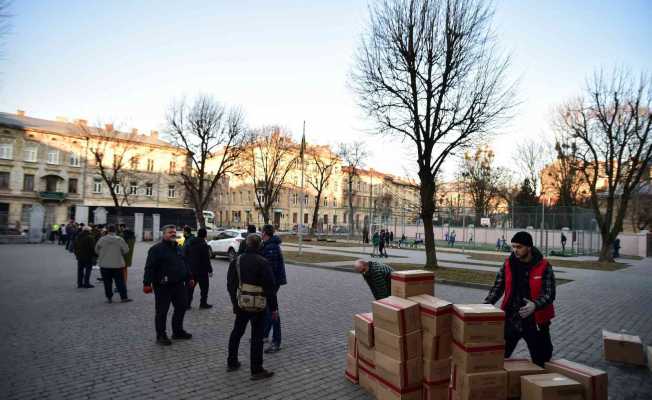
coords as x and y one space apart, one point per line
563 243
377 275
85 253
111 250
375 242
130 237
452 238
381 243
527 282
251 269
166 272
242 248
271 250
197 256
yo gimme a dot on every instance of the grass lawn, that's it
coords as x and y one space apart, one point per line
595 265
461 275
311 258
294 240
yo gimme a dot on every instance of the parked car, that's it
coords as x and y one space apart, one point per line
226 243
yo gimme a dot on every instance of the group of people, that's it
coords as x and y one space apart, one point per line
380 241
171 272
450 238
526 284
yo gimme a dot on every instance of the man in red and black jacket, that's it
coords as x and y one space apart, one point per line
528 283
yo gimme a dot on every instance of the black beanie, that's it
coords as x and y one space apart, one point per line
523 238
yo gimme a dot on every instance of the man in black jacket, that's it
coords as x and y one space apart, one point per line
85 253
243 245
196 253
254 270
166 270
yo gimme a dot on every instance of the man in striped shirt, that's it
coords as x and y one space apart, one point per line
378 277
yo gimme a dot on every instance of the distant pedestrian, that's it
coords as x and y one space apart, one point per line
167 273
563 243
242 248
377 275
616 248
130 237
251 275
271 250
197 256
499 244
111 250
375 243
85 253
381 244
452 239
391 237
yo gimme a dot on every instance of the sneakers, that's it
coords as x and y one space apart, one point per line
233 367
163 340
273 348
264 374
205 306
181 335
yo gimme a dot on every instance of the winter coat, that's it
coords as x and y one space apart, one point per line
111 250
196 253
85 247
271 250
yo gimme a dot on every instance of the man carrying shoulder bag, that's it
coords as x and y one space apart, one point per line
251 286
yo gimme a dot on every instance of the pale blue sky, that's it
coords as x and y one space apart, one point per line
284 61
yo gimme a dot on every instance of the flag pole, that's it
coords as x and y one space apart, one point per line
301 200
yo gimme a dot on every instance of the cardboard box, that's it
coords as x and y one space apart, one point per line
366 354
437 347
620 347
367 379
364 328
400 374
412 283
516 368
478 323
396 315
550 387
478 357
436 314
351 347
351 372
594 381
398 347
491 385
387 392
435 372
436 391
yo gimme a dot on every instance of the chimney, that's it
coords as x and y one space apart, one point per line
81 122
154 135
62 119
108 127
20 113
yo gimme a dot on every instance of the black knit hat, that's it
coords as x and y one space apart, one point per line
523 238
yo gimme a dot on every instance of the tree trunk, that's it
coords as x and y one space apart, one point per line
606 252
265 212
199 214
350 206
427 211
315 217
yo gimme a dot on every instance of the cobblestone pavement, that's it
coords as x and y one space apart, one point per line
61 342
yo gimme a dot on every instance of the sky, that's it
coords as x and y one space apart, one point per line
284 62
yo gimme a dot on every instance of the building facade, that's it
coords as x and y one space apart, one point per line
57 164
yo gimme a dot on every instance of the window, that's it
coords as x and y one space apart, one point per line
150 165
133 162
51 183
295 199
117 188
26 214
97 185
173 167
172 192
334 219
133 188
149 189
294 218
28 183
53 156
334 203
31 154
305 218
325 201
4 180
74 160
72 185
305 200
6 151
325 219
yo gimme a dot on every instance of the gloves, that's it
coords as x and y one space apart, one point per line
191 283
527 309
147 289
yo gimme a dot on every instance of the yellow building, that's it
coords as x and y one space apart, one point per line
54 163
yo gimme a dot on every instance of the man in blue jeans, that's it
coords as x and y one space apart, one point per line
271 250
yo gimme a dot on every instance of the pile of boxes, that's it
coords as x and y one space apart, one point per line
414 346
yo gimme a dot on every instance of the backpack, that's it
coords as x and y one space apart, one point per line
250 298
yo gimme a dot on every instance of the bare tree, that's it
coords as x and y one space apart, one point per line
483 181
212 137
564 175
428 71
321 166
269 157
353 156
530 157
612 126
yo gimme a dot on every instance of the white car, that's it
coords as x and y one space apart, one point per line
227 243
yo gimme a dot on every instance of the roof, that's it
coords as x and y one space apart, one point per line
70 129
